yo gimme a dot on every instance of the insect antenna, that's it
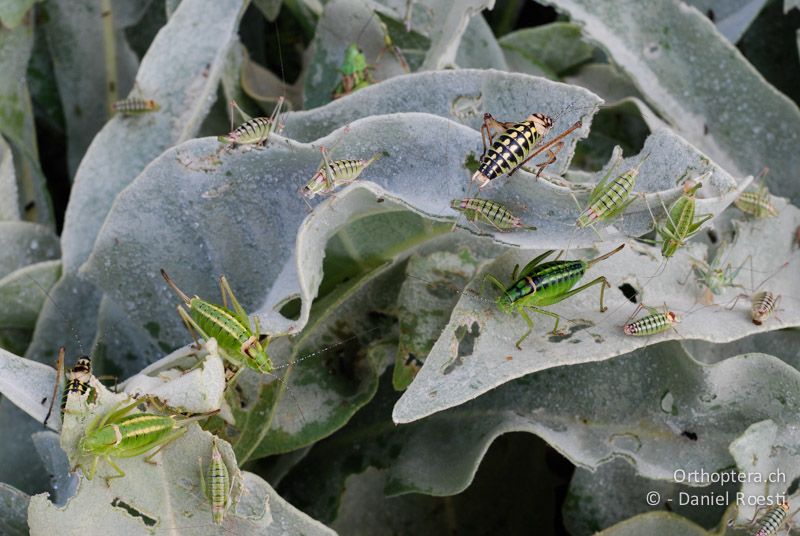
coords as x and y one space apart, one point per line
60 367
325 349
753 289
364 28
60 310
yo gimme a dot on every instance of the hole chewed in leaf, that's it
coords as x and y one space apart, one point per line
629 292
466 345
290 309
133 511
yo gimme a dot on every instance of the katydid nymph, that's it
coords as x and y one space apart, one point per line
356 72
757 204
255 130
681 223
609 199
120 434
237 341
540 284
78 382
219 487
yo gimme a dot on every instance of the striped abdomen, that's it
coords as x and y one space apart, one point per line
616 194
763 305
771 522
547 282
231 335
342 172
78 381
130 433
650 325
493 212
756 204
508 151
681 217
135 105
256 130
219 485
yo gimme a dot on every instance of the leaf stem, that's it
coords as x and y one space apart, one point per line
110 48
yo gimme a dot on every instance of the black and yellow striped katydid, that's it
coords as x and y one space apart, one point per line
78 382
237 341
120 434
491 212
513 144
653 323
764 303
540 284
255 130
333 174
773 519
134 106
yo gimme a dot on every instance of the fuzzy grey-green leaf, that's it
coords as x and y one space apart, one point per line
732 113
590 335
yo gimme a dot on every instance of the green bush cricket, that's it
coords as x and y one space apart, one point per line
714 276
356 72
231 328
609 199
120 434
681 223
220 485
540 284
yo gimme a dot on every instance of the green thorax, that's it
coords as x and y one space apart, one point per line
681 217
354 61
544 285
221 324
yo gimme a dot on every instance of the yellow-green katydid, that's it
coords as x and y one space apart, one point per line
119 433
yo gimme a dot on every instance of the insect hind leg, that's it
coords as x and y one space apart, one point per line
547 313
552 156
603 285
528 321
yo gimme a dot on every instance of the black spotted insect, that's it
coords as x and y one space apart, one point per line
78 382
255 130
511 145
